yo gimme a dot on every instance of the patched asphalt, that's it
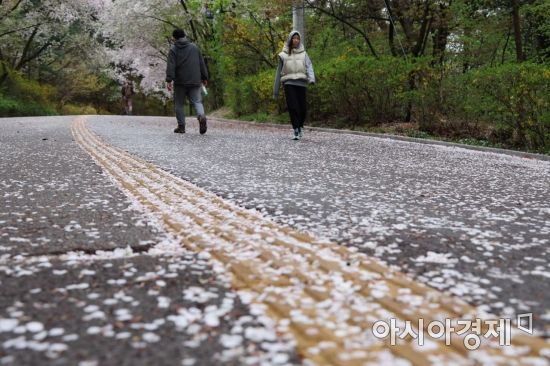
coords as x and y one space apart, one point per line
54 198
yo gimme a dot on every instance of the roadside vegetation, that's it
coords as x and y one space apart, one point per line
475 72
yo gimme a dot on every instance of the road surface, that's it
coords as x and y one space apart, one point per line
99 264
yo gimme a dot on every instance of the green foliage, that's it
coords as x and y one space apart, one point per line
515 99
152 105
74 109
87 92
537 24
263 117
24 89
23 97
362 90
251 94
419 134
478 142
483 34
10 107
464 87
508 104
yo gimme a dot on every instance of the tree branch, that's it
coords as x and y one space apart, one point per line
344 21
26 48
161 20
19 29
191 23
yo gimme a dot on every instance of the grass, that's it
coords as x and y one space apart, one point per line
261 117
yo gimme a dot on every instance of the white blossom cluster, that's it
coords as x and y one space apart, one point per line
48 29
135 28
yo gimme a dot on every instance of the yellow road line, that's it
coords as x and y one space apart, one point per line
327 296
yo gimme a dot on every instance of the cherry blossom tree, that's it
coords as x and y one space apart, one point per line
139 32
45 32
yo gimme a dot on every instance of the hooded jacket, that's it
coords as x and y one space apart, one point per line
185 64
294 67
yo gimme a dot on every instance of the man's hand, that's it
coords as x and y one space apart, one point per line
169 86
205 82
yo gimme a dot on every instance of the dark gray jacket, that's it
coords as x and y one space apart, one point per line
185 64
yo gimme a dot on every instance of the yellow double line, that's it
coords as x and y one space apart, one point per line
326 296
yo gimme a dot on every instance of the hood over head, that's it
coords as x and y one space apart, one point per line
182 42
300 47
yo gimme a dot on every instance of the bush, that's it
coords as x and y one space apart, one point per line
362 90
251 94
507 105
73 109
21 88
514 99
26 97
359 89
13 108
517 98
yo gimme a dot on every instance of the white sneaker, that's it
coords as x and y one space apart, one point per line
296 134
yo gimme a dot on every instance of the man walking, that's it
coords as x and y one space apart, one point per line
185 73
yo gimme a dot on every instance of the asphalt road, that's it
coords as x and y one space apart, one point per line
82 269
88 279
472 223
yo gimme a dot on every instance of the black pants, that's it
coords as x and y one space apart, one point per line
296 104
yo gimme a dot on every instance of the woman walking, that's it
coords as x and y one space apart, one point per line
295 71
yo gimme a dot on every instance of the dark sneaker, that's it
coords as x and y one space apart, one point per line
296 134
179 129
202 125
300 133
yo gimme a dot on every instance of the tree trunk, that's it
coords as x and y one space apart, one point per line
504 48
391 40
3 73
441 34
391 30
439 44
517 31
